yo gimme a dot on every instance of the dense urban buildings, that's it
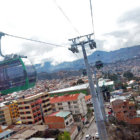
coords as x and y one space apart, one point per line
34 108
125 110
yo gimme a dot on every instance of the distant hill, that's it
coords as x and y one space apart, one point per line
106 57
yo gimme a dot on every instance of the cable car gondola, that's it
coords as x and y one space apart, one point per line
16 73
98 64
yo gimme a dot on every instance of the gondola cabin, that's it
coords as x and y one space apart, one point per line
16 74
98 64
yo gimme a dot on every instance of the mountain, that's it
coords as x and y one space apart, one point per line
106 57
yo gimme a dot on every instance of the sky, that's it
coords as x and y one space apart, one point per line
116 25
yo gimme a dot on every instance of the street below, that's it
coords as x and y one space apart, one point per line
91 130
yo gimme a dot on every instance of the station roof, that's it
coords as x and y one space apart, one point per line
83 86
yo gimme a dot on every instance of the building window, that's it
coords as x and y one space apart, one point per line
20 107
28 112
26 107
21 112
76 111
125 111
60 108
47 100
1 116
19 103
49 109
75 106
75 102
1 112
22 118
59 103
29 122
67 123
29 117
46 95
70 120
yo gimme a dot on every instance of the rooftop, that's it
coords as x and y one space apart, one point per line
87 97
61 114
78 87
120 98
65 98
83 86
5 133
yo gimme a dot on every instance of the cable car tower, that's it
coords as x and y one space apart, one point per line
16 72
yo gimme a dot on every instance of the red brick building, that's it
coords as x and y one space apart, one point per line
125 110
59 120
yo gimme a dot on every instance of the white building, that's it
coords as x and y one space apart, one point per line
74 103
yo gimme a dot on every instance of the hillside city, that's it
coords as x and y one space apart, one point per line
62 108
69 70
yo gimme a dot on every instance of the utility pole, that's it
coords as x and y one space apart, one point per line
100 96
98 113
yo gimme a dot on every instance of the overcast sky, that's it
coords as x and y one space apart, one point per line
116 25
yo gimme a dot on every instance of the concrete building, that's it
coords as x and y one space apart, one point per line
60 119
75 103
5 117
34 108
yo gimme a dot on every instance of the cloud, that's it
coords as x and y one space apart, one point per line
43 19
127 34
40 53
132 16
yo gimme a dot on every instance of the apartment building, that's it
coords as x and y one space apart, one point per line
34 108
60 119
5 117
13 108
75 103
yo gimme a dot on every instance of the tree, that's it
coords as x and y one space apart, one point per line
113 77
64 136
128 75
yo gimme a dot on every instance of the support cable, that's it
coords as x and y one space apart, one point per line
68 19
91 12
38 41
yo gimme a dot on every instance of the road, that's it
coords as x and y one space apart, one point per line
92 129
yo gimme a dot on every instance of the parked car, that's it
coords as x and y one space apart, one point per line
88 137
96 135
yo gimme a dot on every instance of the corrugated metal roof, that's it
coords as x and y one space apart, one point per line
61 114
83 86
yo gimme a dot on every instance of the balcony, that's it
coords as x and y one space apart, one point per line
33 103
34 108
35 113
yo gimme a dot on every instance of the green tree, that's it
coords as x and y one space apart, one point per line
113 77
64 136
128 75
